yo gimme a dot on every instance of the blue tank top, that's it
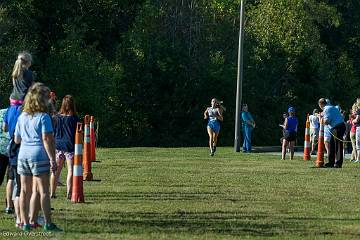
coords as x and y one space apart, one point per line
292 123
213 112
64 132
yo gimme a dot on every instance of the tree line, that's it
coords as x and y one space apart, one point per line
147 69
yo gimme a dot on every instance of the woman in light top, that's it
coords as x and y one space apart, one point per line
36 158
214 116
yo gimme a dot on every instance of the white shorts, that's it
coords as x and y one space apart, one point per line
314 134
357 138
327 134
62 155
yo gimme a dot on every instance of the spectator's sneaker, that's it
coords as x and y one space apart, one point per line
357 161
26 227
328 165
60 184
9 210
40 220
35 225
19 225
51 228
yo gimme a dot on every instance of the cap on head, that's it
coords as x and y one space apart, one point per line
291 110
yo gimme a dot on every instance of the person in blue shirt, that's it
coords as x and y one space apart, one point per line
248 124
214 114
14 184
4 162
290 132
4 142
333 118
65 130
36 157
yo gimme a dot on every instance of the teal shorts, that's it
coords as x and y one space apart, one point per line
214 125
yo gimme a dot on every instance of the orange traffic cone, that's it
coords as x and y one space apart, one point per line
307 140
320 154
77 195
92 140
86 154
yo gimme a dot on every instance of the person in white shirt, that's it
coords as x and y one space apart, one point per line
314 130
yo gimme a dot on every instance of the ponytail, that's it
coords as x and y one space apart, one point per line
221 106
22 60
17 70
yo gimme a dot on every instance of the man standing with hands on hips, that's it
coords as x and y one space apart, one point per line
332 118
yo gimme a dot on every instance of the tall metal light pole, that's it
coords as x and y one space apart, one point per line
239 79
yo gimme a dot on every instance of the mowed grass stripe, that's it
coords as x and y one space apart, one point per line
183 193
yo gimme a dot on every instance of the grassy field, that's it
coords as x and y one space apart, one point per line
182 193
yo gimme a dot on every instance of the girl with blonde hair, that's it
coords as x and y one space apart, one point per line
352 116
36 157
356 122
22 79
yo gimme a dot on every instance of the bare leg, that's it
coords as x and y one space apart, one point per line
210 132
353 145
54 179
43 187
312 145
34 203
215 137
69 178
25 195
9 190
292 144
327 147
283 149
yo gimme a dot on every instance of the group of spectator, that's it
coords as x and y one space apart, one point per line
338 131
35 140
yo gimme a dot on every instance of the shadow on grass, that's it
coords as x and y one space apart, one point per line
217 222
94 180
152 196
170 224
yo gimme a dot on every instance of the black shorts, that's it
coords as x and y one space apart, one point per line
4 161
290 136
13 175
